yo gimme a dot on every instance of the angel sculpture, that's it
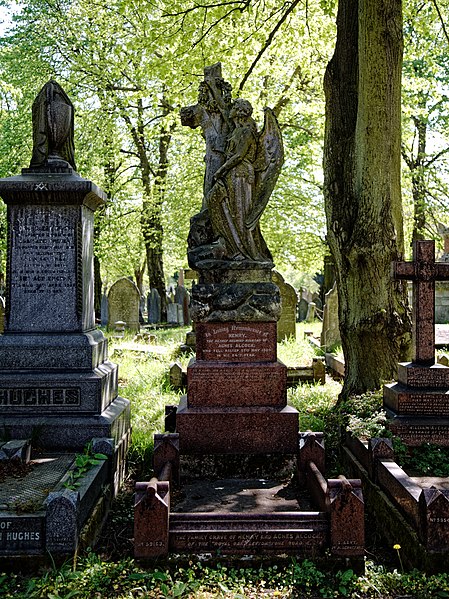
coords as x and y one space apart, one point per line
244 184
242 167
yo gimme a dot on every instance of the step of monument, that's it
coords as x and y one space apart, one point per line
415 375
53 392
229 384
420 402
304 532
256 429
415 431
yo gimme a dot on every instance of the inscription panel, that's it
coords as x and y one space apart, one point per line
416 403
423 377
249 541
21 534
214 384
40 397
417 434
236 342
42 268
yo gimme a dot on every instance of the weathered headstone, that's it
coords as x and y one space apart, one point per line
123 303
182 299
286 326
172 313
303 308
154 306
56 383
330 334
442 287
311 312
417 403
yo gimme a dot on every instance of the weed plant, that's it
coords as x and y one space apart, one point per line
95 578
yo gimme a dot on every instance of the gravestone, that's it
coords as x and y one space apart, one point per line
172 313
57 385
124 302
303 308
154 306
418 403
286 326
330 334
2 314
182 298
442 287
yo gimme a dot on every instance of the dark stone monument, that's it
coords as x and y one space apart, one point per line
154 306
419 402
303 309
57 385
182 298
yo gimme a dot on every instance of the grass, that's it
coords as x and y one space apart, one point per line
143 379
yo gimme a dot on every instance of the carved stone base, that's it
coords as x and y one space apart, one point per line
237 302
237 430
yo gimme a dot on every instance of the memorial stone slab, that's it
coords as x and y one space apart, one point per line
286 326
172 313
330 334
303 308
124 302
154 306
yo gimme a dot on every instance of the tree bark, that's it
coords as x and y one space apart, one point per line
362 191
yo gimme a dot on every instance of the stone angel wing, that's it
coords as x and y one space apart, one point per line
268 164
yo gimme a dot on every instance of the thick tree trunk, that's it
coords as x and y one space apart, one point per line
362 188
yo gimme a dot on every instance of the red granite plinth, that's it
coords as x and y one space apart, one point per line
237 430
416 431
232 385
416 402
415 375
236 341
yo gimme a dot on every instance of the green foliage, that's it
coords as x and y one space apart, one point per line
97 577
365 416
426 460
83 463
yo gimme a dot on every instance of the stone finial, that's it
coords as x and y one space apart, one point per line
53 126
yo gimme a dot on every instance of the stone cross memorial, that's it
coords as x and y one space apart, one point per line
57 385
418 403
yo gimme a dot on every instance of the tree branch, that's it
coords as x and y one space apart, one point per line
268 42
443 25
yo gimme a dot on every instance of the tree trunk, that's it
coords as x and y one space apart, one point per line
362 189
418 185
152 225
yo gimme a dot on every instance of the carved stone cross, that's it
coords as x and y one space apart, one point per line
424 272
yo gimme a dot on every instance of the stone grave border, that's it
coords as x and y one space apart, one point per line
158 531
68 520
412 515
